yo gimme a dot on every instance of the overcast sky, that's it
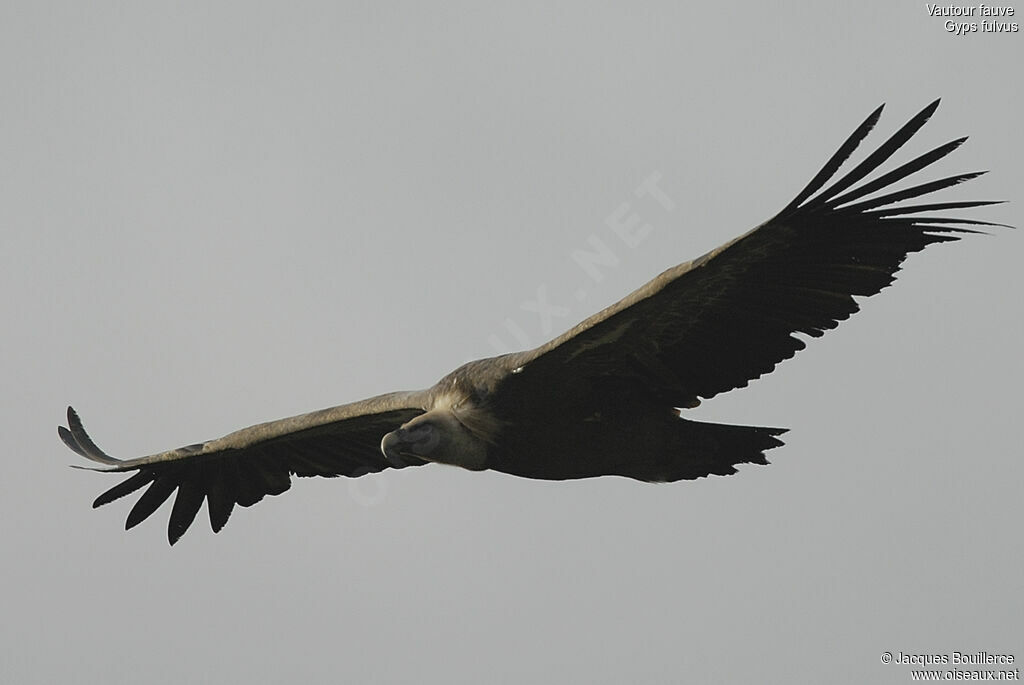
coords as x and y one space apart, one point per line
230 213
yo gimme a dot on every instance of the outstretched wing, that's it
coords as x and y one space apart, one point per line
728 317
243 467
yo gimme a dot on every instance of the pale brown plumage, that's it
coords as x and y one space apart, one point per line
601 398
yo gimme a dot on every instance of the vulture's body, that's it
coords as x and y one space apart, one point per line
603 398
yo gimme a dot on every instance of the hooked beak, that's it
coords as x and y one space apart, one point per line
405 446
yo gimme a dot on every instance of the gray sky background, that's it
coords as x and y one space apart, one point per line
219 214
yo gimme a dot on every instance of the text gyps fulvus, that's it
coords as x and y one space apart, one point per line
601 398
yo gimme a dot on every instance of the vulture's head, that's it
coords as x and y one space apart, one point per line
456 434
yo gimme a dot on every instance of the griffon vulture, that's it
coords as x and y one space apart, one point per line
602 398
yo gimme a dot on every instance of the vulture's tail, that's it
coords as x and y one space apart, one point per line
706 449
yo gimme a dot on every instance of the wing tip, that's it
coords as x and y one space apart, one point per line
810 197
78 441
930 109
67 434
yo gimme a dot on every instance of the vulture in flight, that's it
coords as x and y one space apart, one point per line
603 398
